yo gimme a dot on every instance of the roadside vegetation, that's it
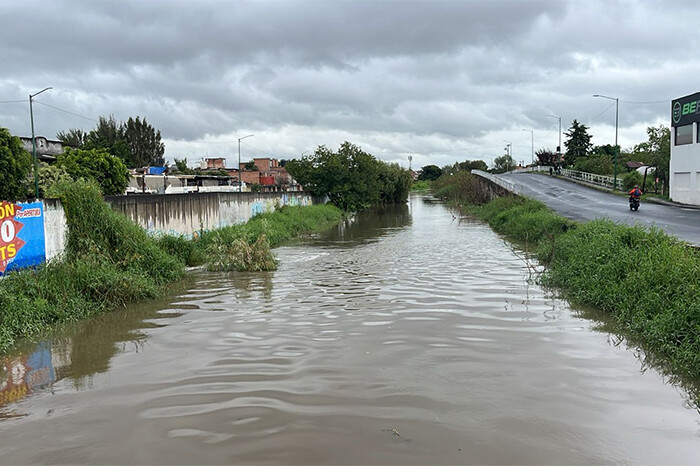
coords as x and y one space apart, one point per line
106 267
421 185
647 282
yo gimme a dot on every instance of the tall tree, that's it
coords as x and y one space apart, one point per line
144 143
15 166
109 135
578 143
503 163
430 173
349 177
74 137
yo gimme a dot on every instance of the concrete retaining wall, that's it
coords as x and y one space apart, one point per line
494 186
55 228
184 214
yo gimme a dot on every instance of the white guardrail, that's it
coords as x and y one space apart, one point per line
602 180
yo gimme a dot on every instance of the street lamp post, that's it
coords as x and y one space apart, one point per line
558 118
617 106
240 171
36 163
509 149
532 136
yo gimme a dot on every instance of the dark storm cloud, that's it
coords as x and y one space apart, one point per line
445 79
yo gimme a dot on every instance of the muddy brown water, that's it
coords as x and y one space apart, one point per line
406 336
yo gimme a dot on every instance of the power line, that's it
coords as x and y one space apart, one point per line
648 102
13 101
66 111
601 114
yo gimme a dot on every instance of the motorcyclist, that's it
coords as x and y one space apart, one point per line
635 192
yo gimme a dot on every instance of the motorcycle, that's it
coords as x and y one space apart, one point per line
634 203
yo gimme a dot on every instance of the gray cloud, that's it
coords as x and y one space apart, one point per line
439 80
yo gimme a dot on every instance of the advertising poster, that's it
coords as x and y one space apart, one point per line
21 235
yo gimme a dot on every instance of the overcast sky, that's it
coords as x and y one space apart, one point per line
438 81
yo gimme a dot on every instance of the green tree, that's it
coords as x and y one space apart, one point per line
109 135
250 166
578 143
74 137
470 165
96 164
656 151
349 177
395 183
15 166
430 173
144 144
547 157
598 163
181 167
503 164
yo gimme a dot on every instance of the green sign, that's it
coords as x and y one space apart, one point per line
685 110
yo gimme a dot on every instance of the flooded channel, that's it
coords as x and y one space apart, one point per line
408 336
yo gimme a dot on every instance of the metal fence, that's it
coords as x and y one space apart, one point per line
600 180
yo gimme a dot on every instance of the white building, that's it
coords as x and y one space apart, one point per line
684 179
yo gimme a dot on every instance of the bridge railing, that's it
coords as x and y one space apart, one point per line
505 184
601 180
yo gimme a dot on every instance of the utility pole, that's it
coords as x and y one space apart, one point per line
617 104
532 137
36 162
240 170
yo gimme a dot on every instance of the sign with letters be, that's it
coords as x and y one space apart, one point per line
21 235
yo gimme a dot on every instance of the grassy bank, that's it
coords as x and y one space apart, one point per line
646 281
108 266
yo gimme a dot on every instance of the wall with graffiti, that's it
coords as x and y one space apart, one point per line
32 233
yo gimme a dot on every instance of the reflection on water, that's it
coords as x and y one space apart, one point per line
26 373
81 351
404 336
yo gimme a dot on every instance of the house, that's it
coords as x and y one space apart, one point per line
270 175
46 149
218 163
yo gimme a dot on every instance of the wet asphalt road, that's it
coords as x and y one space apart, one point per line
580 202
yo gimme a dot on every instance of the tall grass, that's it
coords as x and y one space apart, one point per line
247 246
646 281
108 262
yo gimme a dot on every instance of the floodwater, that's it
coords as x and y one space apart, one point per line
406 336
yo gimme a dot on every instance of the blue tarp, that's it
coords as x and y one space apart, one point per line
156 170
